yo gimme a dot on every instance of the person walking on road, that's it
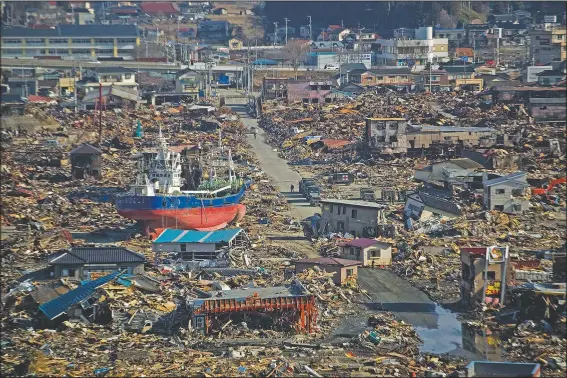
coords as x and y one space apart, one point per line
292 187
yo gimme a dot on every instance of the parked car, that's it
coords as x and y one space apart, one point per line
330 67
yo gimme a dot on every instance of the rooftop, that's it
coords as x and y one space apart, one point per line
158 7
87 255
59 305
436 203
445 129
329 261
113 70
67 30
390 71
364 242
356 203
516 176
185 236
261 292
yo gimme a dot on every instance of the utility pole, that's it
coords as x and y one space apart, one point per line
275 32
286 20
310 30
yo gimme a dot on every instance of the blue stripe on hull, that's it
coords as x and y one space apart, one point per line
137 202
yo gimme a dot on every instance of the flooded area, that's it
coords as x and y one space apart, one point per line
445 337
457 338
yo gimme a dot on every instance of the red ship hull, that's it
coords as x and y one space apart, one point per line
200 218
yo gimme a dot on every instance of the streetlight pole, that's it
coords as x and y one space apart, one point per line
286 20
275 32
310 30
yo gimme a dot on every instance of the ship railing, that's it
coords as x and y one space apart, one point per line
206 191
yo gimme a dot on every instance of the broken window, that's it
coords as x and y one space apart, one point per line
349 272
491 275
466 272
517 192
499 207
500 191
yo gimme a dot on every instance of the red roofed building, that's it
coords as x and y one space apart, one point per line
343 269
370 252
167 9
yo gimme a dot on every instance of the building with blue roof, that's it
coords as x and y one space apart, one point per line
91 41
64 303
191 245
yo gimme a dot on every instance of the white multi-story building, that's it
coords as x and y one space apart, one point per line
71 41
415 52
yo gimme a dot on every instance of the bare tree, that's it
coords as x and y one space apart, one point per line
294 51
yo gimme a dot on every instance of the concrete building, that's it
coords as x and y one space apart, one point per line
322 59
415 52
548 45
421 206
454 36
508 193
343 269
425 136
485 272
87 263
358 218
71 41
370 252
86 161
387 135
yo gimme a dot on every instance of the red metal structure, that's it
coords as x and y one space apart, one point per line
301 306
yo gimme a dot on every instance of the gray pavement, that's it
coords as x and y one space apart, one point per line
277 168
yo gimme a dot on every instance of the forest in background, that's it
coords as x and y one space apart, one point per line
387 15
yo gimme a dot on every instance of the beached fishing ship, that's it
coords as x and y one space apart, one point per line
157 198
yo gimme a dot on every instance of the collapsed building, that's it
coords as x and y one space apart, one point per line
396 136
281 306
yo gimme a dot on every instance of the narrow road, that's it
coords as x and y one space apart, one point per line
276 167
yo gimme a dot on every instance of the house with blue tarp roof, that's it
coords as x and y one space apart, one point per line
79 296
191 245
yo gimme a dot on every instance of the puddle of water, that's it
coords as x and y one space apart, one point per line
446 337
450 336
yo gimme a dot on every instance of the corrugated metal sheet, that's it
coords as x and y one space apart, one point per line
186 236
58 306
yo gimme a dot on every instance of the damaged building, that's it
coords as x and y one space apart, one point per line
485 272
507 193
291 307
358 218
86 161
